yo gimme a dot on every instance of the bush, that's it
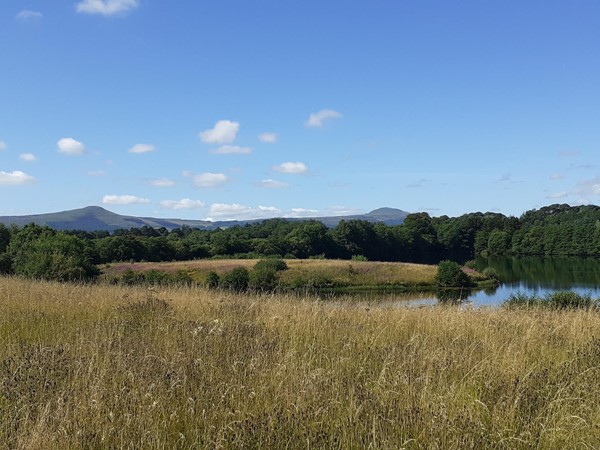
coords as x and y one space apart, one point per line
212 280
131 277
491 273
276 265
450 274
359 258
263 279
236 280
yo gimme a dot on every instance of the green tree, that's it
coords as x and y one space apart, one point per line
450 274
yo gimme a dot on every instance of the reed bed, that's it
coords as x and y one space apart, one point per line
128 367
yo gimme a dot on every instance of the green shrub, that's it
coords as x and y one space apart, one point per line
359 258
236 280
276 265
263 279
212 280
131 277
450 274
491 273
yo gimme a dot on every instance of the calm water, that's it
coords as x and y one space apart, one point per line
527 275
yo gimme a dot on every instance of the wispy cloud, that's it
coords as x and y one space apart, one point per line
418 184
318 119
343 210
142 148
15 178
209 179
588 187
162 182
70 146
301 212
272 184
96 173
235 211
291 167
29 157
224 132
556 177
569 153
268 138
106 7
27 15
124 200
556 195
184 203
232 150
3 146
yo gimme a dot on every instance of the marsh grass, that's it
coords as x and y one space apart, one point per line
301 272
126 367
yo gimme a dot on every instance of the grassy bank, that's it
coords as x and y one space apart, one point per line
302 272
113 367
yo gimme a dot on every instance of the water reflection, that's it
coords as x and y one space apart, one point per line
539 276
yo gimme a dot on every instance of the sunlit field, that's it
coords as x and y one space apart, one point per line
130 367
301 271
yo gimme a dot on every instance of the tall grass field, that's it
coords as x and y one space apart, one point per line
95 367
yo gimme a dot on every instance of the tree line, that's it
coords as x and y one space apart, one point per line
42 252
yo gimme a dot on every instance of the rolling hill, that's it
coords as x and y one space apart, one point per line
94 218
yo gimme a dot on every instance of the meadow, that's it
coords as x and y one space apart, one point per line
301 272
101 366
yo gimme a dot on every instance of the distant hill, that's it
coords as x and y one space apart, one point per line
95 218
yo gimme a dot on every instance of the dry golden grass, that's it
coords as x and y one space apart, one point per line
117 367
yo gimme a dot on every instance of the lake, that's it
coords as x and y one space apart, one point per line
526 275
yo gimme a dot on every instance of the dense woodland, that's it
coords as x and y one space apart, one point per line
42 252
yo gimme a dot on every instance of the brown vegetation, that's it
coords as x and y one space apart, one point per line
114 367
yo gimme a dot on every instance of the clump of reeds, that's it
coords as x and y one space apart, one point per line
555 300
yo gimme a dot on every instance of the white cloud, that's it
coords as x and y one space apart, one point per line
124 200
235 211
224 132
272 184
96 173
269 138
106 7
14 178
209 179
588 187
3 145
70 146
162 182
291 167
301 212
184 203
29 157
141 148
555 195
556 177
27 14
343 211
232 150
317 119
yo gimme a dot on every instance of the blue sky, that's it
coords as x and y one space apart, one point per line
245 109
